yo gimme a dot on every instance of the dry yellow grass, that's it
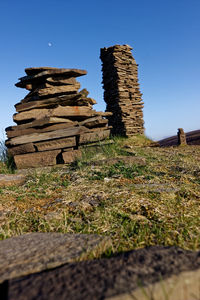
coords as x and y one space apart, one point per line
155 204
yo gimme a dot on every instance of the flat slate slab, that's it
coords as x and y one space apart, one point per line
11 179
44 72
115 278
35 252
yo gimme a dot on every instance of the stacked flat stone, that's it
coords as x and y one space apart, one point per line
121 90
54 120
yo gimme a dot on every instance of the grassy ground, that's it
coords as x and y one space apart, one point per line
154 204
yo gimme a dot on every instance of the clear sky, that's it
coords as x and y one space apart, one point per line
164 34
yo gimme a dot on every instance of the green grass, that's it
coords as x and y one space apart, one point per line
6 162
137 206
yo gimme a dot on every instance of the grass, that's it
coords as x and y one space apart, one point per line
137 206
6 162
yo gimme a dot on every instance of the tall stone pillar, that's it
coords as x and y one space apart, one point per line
121 90
181 137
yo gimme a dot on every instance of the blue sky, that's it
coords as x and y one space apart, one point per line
165 36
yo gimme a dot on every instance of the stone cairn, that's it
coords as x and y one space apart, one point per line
54 120
121 90
181 137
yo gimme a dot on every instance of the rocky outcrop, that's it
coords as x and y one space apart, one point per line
54 119
121 90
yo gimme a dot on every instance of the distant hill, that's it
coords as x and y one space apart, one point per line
192 137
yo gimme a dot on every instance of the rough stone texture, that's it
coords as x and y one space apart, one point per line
39 74
52 112
34 252
181 137
121 90
47 90
50 135
37 159
184 286
104 278
40 126
21 149
56 144
11 179
94 136
70 156
60 111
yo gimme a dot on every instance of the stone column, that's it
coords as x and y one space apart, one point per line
181 137
121 90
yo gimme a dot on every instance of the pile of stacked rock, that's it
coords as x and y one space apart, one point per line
54 119
121 90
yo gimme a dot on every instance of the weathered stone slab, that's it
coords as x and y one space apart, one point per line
26 148
94 136
37 70
92 122
55 71
37 159
36 137
40 123
98 129
53 82
70 156
19 132
52 98
84 101
47 89
34 252
38 74
60 111
58 98
60 80
54 102
49 102
56 144
11 179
